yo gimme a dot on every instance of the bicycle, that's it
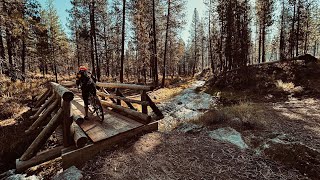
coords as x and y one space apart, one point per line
95 106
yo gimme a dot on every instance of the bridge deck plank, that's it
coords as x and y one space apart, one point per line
112 125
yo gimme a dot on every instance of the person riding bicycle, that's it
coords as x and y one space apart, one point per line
87 83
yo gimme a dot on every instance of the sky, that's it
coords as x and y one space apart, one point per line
63 5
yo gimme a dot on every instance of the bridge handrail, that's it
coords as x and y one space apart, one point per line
63 92
124 86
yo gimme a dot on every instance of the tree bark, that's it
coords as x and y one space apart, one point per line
298 29
282 43
166 46
259 51
92 38
195 46
9 47
23 54
2 53
106 52
155 55
292 45
264 43
95 41
123 39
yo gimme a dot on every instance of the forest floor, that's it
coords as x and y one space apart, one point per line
264 125
265 129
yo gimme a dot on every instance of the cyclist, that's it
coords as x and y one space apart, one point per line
87 83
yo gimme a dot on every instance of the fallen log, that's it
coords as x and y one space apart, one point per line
40 119
140 116
43 136
39 158
79 137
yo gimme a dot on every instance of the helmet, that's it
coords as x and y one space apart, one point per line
82 68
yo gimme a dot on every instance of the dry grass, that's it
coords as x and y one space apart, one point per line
14 96
241 116
288 87
183 156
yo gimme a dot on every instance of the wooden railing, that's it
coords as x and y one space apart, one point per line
55 109
117 97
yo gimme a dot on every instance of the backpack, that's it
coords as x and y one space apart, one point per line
85 78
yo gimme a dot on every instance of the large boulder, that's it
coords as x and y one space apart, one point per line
229 135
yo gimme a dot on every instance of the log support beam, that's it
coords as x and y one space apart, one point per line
43 117
71 156
39 158
42 137
43 98
143 118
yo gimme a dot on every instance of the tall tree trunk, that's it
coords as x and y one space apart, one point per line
292 45
259 49
106 51
2 53
282 43
210 41
298 28
195 47
78 49
155 55
95 40
92 37
221 46
23 55
166 46
264 43
9 47
123 39
307 31
315 48
202 53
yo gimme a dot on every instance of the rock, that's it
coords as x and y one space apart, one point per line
189 128
7 174
22 177
71 173
228 135
10 175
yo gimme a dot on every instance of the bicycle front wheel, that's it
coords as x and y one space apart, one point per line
99 109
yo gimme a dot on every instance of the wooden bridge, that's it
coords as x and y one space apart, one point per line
60 111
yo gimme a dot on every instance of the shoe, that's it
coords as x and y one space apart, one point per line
86 118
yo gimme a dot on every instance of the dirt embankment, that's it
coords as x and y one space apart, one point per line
268 82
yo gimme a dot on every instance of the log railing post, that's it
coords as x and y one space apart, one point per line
66 96
66 123
144 98
118 93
